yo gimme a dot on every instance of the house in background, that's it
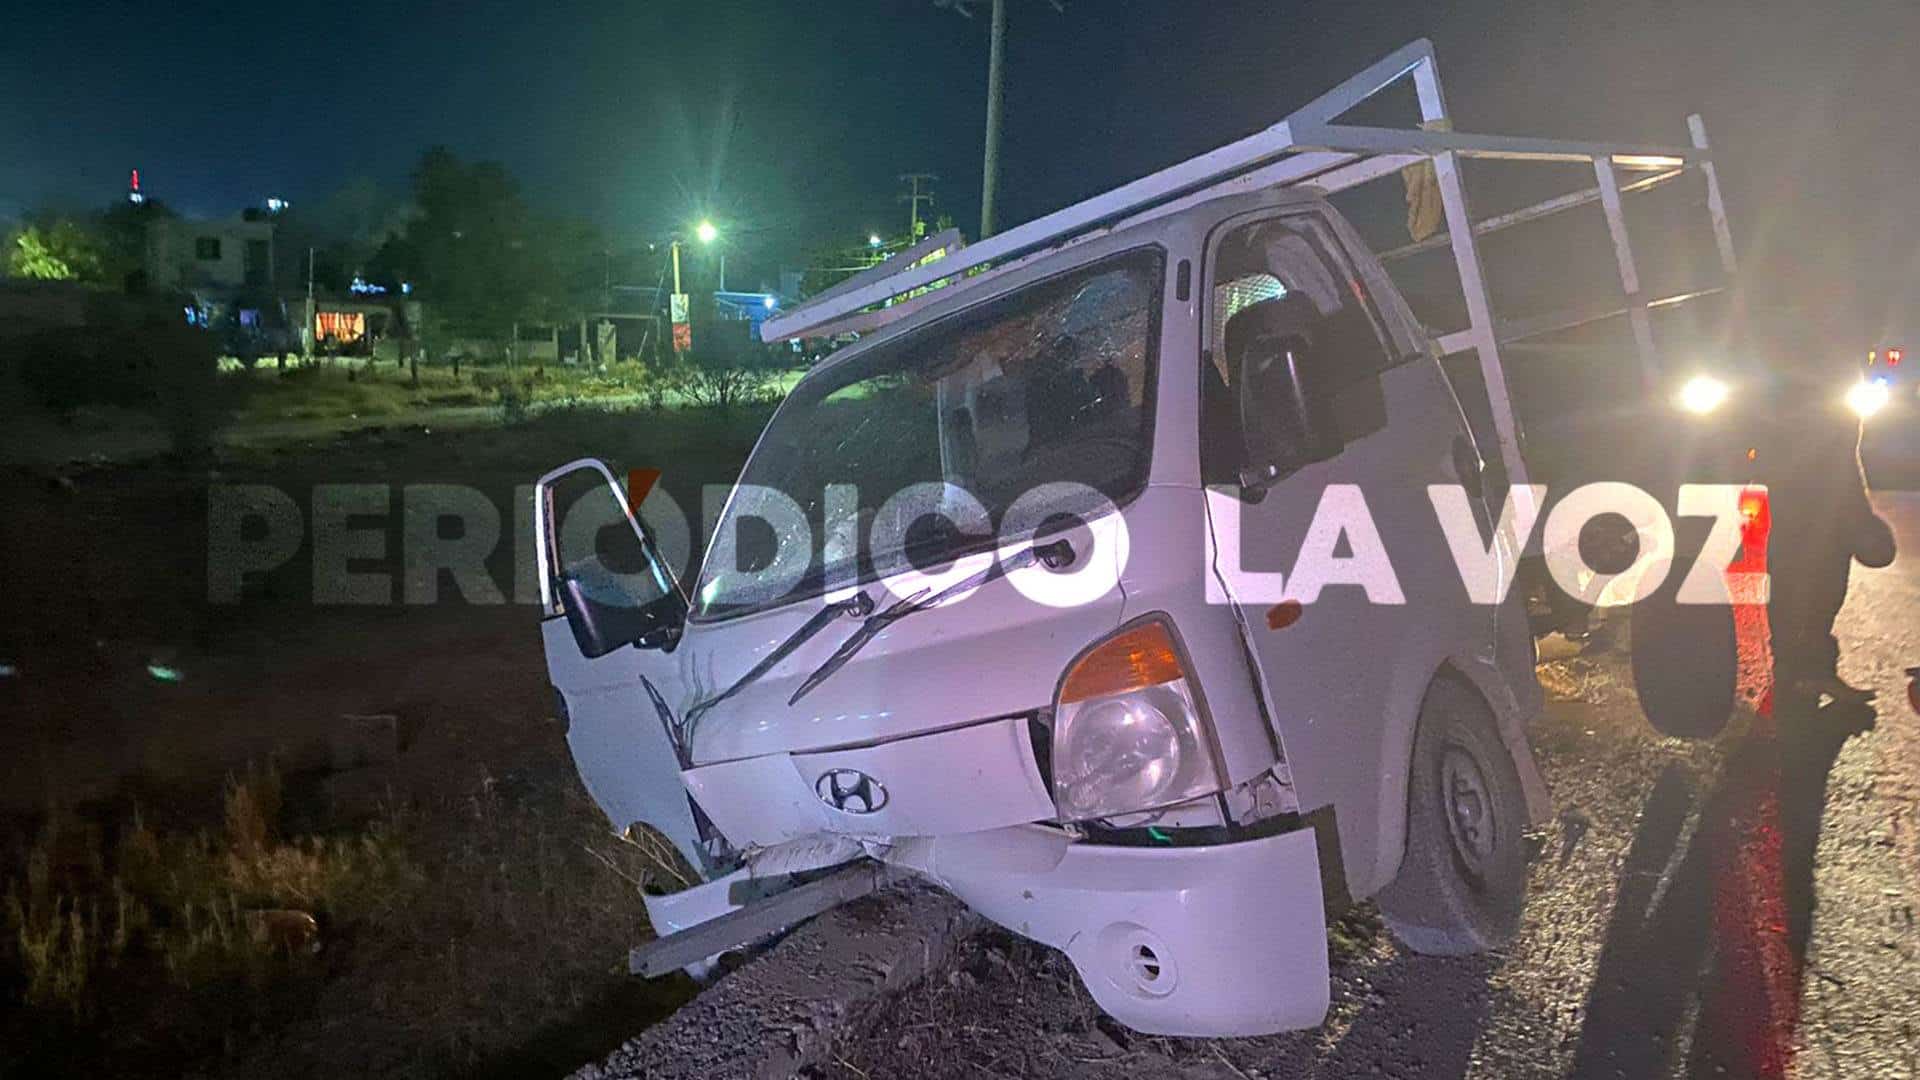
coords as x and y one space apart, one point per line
628 324
355 325
216 258
226 267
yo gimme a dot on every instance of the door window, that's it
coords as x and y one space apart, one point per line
1292 259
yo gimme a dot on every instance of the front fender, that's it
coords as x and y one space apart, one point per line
1512 708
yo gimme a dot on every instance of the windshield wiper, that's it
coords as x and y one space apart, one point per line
857 605
1056 555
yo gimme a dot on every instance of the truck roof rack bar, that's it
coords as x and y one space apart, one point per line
1716 207
1377 140
1288 171
1637 311
1514 331
1533 213
1309 149
948 239
1282 154
1123 206
1194 174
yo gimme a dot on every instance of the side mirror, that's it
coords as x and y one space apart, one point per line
604 617
605 610
1285 388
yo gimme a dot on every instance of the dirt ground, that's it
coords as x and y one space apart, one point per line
492 939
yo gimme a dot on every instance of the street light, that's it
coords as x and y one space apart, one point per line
706 233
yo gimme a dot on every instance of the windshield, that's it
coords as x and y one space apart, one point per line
911 454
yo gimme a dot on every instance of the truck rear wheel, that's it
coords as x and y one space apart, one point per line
1686 665
1464 874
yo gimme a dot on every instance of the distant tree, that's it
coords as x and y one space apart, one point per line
347 231
481 260
469 242
571 261
56 249
123 232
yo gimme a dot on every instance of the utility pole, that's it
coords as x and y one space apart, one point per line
996 65
313 317
913 198
677 306
996 58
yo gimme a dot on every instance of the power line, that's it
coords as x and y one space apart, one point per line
913 198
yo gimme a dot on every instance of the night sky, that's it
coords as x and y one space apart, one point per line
788 122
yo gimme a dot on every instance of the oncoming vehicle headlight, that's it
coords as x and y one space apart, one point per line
1868 396
1129 733
1702 394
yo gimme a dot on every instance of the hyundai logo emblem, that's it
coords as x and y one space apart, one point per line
850 791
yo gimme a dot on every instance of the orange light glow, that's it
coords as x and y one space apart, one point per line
341 326
1756 521
1130 660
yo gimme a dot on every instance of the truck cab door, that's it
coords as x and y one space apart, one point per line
611 614
1344 667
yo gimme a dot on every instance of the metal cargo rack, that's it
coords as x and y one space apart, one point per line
1309 149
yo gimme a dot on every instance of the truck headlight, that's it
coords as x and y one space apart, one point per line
1702 394
1868 396
1129 731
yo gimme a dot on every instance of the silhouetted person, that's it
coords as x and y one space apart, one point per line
1807 453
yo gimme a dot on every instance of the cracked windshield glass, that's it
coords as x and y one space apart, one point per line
912 453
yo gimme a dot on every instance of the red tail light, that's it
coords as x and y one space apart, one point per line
1756 519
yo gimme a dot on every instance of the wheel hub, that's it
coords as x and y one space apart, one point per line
1468 807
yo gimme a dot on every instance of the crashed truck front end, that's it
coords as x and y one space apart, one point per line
935 756
1028 703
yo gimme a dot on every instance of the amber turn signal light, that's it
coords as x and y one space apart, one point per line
1131 660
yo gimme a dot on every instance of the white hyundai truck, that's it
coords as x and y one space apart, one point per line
1061 588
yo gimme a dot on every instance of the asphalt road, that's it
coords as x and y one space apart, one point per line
1739 907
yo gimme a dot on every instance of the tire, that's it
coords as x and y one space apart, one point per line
1461 883
1876 549
1686 665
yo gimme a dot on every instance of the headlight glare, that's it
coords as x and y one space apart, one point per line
1702 394
1868 396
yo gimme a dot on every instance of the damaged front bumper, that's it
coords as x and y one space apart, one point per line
1217 940
1200 940
1224 939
